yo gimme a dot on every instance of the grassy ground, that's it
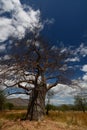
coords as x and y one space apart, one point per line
10 120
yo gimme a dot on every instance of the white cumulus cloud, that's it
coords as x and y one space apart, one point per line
75 59
19 20
84 68
2 47
85 77
82 50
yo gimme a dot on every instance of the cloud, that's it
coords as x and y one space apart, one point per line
64 93
76 53
84 68
82 50
6 57
75 59
85 77
23 96
6 29
2 47
9 5
47 21
64 90
19 21
59 101
82 84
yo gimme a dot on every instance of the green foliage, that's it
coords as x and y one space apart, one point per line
9 106
51 107
2 100
64 107
80 103
20 107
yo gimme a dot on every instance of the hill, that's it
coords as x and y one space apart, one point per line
18 101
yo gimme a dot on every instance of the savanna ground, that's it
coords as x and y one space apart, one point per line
57 120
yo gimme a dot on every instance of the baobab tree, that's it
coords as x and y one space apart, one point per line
35 67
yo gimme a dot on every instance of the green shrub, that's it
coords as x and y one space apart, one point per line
9 106
2 100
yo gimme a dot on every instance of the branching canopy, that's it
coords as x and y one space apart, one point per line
34 63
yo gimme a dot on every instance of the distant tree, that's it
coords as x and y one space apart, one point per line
80 103
2 100
36 67
64 107
9 106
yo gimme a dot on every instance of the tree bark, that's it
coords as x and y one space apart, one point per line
36 106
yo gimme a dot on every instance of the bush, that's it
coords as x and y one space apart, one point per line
80 103
2 100
50 107
9 106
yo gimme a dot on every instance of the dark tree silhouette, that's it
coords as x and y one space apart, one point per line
36 67
80 102
50 94
2 100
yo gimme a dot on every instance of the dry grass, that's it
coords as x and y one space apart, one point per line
70 118
55 121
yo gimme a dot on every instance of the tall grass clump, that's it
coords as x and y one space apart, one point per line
77 118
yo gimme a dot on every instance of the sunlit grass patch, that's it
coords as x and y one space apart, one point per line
12 115
69 117
1 124
69 120
57 116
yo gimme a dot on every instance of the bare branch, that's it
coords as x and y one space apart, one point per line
52 85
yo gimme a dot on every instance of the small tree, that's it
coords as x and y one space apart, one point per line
9 106
2 100
80 102
48 105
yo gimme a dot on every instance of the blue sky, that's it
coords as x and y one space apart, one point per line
70 18
59 21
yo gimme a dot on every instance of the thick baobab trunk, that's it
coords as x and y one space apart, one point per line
36 107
